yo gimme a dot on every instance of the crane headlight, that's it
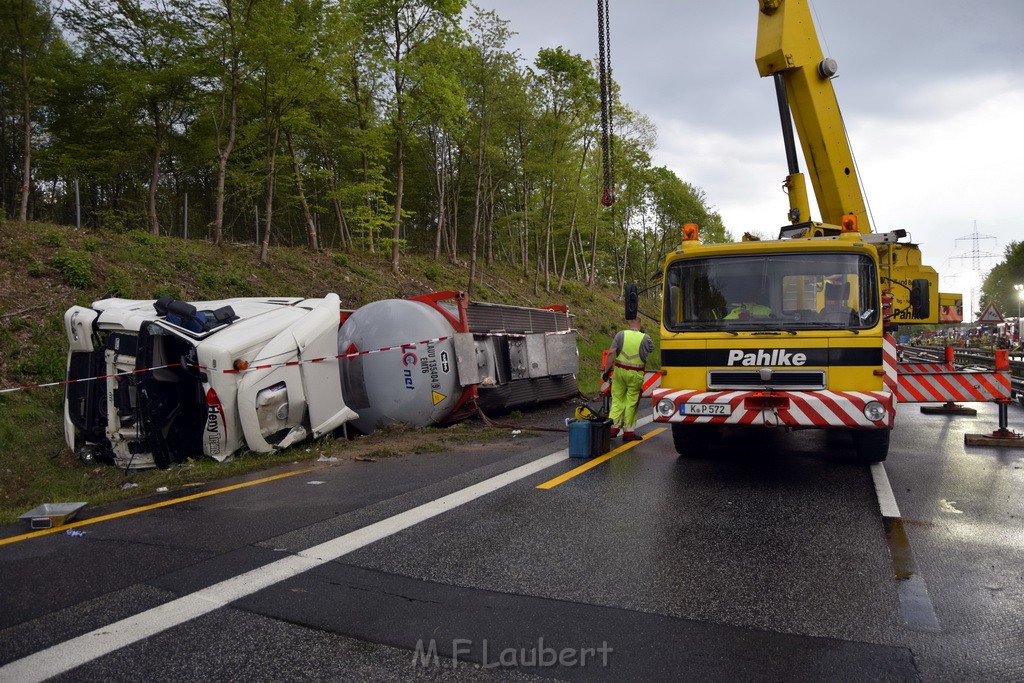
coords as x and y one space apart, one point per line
874 411
666 407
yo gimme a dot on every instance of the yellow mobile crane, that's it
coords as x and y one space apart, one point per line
793 332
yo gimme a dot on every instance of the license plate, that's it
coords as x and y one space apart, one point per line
707 409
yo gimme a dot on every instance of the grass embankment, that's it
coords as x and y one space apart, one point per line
45 269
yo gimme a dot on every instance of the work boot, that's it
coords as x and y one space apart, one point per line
614 432
631 436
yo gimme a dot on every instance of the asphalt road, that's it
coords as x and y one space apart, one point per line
771 559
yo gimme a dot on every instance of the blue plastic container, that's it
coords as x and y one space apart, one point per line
580 439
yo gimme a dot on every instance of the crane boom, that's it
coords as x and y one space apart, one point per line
788 48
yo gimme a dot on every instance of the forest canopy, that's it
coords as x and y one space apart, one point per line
378 125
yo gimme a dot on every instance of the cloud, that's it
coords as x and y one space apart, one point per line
932 95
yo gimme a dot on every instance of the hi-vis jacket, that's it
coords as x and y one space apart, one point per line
632 354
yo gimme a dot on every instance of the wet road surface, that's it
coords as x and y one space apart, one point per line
771 559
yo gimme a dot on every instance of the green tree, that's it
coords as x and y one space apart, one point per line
224 26
398 31
567 90
998 287
290 77
26 33
149 55
488 68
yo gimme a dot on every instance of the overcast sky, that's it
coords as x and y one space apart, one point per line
932 94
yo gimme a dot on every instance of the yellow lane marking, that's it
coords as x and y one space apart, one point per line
144 508
552 483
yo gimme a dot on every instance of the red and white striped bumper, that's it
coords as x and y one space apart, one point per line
822 409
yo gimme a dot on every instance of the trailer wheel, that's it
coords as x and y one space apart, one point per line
692 441
872 445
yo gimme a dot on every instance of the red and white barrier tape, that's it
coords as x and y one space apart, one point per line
353 354
87 379
266 366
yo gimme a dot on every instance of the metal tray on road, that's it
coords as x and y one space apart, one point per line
50 515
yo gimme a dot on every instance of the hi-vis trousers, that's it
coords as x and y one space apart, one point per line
626 388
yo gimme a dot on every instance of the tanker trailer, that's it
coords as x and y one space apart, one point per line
437 358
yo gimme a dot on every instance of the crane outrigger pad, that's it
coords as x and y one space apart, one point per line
1013 440
948 409
1004 436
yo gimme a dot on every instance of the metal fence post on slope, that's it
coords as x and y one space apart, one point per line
78 208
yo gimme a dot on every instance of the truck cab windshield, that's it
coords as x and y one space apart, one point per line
776 291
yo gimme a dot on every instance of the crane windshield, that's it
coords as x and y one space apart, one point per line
772 292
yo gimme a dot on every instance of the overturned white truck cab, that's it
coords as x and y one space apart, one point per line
152 383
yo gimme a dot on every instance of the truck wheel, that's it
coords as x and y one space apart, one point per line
692 441
872 445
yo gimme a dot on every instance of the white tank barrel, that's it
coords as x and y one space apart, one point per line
412 382
436 358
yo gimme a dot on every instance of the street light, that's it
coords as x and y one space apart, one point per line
1020 328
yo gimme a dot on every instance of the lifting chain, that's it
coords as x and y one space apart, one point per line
605 77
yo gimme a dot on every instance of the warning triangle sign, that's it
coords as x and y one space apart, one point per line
991 314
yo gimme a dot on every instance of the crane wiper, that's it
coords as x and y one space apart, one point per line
766 328
829 326
715 327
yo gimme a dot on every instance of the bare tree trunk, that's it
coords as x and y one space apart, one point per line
396 232
489 224
524 240
454 193
582 257
592 280
572 217
268 204
307 216
565 260
547 237
344 234
26 163
451 207
441 164
218 209
222 157
625 256
474 235
154 180
536 277
154 172
371 242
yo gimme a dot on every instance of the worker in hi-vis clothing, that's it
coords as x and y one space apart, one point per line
748 304
628 356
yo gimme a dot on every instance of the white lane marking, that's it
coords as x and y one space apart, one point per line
65 656
886 499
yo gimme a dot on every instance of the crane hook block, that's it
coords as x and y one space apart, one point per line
608 198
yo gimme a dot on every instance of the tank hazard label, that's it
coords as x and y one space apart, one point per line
432 366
